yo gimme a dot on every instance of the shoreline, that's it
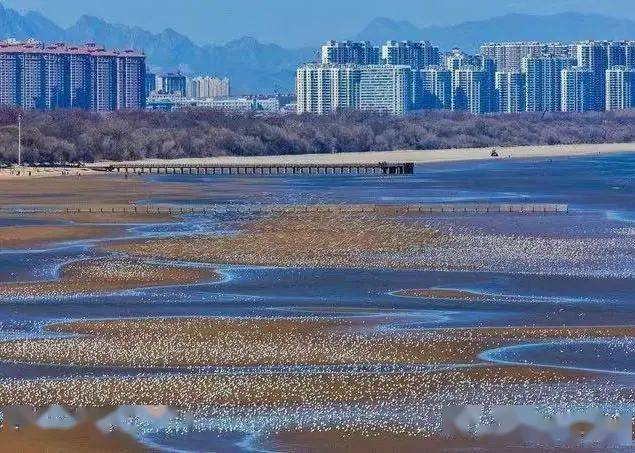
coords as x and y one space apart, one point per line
44 172
420 157
415 156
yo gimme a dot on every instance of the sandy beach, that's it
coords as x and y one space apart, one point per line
416 156
18 173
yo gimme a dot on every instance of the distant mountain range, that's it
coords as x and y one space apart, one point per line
564 27
252 66
255 67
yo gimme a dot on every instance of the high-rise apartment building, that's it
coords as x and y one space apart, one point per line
509 92
593 55
616 53
506 77
151 83
10 78
32 80
105 83
328 88
509 55
577 89
620 88
56 90
349 52
629 50
416 54
81 81
544 82
323 89
385 88
34 76
172 83
457 59
488 66
470 91
130 81
432 88
208 87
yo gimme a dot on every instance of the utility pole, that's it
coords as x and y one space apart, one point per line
19 140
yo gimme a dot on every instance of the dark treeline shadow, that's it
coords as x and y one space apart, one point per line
81 136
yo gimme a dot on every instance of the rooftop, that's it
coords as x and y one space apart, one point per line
60 48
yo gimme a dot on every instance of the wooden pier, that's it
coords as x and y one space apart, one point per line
480 209
381 168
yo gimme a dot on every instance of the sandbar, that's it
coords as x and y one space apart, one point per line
338 240
268 390
36 235
182 342
110 274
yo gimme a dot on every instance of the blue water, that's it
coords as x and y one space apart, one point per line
616 356
599 189
587 183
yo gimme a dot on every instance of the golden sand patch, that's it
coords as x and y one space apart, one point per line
109 217
29 236
303 240
381 439
259 342
85 437
94 190
178 342
101 275
271 390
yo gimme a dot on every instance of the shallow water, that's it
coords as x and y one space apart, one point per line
600 191
615 356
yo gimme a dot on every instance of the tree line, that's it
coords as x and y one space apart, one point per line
79 136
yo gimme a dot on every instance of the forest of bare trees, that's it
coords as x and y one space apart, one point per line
78 136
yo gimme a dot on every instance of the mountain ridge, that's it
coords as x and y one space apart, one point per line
567 26
256 67
252 66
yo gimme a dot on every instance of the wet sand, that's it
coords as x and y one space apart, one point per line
181 342
87 218
100 190
502 385
103 275
85 437
338 240
35 235
334 440
384 241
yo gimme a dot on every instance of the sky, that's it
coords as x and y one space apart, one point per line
296 23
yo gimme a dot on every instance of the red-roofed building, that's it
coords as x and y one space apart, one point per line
37 76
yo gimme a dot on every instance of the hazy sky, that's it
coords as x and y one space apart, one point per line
298 22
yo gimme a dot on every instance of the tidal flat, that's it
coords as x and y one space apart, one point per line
294 330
